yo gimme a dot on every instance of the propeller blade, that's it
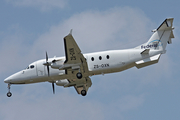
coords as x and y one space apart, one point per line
47 63
53 87
48 69
46 57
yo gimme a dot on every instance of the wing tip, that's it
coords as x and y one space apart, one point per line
70 32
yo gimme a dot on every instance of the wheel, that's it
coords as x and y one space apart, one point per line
83 92
79 75
9 94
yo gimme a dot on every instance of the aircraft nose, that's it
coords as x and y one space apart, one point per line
13 78
7 80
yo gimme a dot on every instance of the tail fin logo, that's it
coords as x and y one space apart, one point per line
152 44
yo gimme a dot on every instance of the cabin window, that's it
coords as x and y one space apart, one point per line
92 58
100 58
107 56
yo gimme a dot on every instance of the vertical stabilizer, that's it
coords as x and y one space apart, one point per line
161 36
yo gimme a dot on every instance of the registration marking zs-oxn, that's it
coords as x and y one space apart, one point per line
101 66
72 53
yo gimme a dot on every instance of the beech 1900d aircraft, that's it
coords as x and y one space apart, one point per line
76 68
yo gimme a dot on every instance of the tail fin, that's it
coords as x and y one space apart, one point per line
162 35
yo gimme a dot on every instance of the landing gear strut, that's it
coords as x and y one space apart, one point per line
9 94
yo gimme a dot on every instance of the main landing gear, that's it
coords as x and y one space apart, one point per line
83 92
79 75
9 94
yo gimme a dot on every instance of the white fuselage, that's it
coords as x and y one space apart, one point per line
98 63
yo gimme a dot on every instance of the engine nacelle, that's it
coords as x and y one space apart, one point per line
62 82
57 64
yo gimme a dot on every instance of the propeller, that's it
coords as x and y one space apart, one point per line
53 87
47 63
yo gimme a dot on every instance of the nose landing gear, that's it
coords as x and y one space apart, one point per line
9 94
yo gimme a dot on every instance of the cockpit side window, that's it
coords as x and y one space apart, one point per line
32 66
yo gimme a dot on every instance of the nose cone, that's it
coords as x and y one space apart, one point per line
13 78
10 79
7 80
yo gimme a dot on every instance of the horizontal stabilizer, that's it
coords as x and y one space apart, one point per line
171 36
166 24
148 61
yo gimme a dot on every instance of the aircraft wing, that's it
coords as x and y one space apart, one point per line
74 58
75 63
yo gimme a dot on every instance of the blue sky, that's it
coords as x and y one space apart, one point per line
28 28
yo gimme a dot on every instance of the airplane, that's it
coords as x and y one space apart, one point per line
75 69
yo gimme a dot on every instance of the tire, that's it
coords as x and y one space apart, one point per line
9 94
79 75
83 92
